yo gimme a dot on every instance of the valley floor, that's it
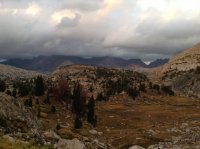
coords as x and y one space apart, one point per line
150 120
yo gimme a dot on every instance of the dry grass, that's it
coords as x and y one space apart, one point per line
125 124
9 144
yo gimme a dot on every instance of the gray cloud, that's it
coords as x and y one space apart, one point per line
97 28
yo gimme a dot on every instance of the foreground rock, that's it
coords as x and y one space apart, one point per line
15 117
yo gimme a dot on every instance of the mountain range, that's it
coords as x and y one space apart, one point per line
50 63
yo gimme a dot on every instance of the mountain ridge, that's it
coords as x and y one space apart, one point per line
50 63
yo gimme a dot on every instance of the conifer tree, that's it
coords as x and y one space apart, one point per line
39 86
90 113
2 86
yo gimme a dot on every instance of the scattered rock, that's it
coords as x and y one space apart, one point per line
51 136
93 132
11 139
43 115
70 144
136 147
65 133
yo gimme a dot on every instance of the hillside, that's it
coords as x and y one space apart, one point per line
10 72
100 79
124 113
181 72
184 61
50 63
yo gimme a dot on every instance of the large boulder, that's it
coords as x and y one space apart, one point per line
14 116
70 144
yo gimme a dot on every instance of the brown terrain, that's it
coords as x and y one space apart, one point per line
124 122
152 120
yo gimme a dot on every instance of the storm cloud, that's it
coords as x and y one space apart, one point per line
146 29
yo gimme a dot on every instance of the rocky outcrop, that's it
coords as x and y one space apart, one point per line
180 73
185 61
15 117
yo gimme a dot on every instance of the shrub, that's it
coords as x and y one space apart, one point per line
23 88
100 97
78 123
62 91
156 87
58 127
197 71
133 92
8 92
53 109
167 90
142 87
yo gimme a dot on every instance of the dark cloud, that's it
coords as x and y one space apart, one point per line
67 22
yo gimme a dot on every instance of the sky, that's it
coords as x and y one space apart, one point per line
146 29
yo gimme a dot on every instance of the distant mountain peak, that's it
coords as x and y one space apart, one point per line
158 62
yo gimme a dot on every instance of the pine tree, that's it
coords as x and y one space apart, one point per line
30 102
76 105
90 113
39 86
14 93
23 88
2 86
